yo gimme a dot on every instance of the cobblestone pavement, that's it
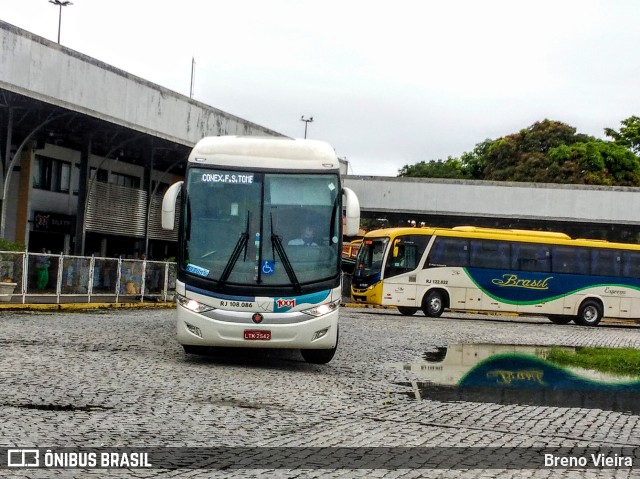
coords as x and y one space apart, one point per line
102 379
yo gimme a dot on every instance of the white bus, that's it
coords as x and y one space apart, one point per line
498 270
245 276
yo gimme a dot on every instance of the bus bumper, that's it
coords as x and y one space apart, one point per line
233 329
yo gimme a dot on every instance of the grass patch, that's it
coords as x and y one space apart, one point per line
624 362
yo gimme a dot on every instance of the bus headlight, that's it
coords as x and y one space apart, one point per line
323 309
193 305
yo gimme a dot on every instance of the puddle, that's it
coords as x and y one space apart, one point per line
517 374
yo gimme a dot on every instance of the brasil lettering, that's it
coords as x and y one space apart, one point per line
512 281
227 178
509 377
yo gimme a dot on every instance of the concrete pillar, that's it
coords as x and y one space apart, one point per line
148 172
24 188
82 197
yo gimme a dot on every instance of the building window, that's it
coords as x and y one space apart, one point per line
101 176
124 180
51 174
75 180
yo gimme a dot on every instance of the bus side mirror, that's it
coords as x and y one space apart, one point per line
396 249
169 205
352 209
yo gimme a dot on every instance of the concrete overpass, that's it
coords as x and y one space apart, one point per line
580 210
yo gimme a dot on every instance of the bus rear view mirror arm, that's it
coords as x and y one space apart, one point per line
169 205
352 209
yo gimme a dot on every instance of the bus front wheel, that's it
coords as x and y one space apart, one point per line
318 356
405 311
191 349
433 304
590 313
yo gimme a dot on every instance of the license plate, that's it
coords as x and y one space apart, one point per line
257 335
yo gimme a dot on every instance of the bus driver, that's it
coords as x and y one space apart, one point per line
307 237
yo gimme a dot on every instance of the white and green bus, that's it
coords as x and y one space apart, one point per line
243 278
494 270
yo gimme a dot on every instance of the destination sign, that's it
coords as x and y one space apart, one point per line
243 179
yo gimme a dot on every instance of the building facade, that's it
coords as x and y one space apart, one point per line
87 150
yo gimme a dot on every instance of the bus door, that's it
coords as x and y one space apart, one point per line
400 271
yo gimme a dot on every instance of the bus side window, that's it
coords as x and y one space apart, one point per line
503 259
605 262
531 257
400 260
461 252
436 255
449 252
631 264
475 251
405 254
581 261
562 259
569 260
490 254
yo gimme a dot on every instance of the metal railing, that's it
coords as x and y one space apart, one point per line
47 278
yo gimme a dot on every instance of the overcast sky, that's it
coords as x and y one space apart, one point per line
387 83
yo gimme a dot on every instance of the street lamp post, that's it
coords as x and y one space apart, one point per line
306 123
60 3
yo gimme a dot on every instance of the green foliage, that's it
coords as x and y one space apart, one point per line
629 134
473 163
451 168
6 245
597 162
546 152
620 361
544 135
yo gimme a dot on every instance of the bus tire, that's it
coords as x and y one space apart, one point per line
192 349
590 313
405 311
559 319
320 356
433 304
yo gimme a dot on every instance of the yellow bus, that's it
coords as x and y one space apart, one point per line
496 270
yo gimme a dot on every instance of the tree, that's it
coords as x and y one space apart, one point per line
523 156
629 134
451 168
596 162
473 163
547 152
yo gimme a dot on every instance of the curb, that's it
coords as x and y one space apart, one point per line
366 306
84 306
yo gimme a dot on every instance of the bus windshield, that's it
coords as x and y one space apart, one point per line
369 261
255 228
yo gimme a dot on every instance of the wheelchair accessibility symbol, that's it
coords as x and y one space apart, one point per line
268 266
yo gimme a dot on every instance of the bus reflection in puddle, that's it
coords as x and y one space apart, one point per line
517 374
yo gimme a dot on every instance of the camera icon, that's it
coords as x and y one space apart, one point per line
23 458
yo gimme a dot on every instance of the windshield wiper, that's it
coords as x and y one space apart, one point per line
334 213
276 243
233 259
